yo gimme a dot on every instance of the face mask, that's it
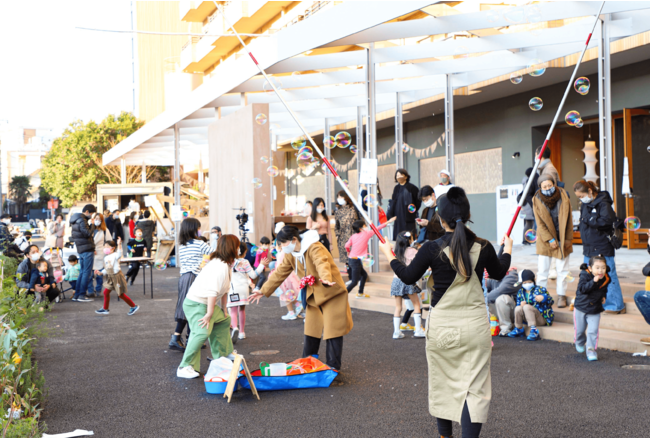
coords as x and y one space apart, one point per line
198 233
107 251
444 179
6 221
35 256
528 286
320 209
428 203
341 201
586 199
548 192
98 223
116 217
289 248
401 179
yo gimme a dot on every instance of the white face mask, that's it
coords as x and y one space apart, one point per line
428 203
341 201
7 221
528 286
289 248
586 199
35 257
320 209
98 223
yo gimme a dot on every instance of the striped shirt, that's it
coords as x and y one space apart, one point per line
191 256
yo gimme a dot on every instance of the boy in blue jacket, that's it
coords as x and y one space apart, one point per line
534 305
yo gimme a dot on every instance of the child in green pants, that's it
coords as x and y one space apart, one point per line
204 306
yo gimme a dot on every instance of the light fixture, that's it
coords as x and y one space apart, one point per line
590 160
516 155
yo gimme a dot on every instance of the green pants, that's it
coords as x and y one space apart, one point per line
217 332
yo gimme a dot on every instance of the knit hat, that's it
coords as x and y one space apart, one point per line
546 177
527 275
454 206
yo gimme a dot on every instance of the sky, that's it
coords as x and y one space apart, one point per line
52 73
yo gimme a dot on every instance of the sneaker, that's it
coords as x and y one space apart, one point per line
503 334
591 354
290 316
301 315
363 296
407 327
187 373
616 312
398 335
242 335
57 300
102 312
231 356
580 348
645 341
552 275
533 335
92 295
234 335
132 310
419 333
517 332
82 300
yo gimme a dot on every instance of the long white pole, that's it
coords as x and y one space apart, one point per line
550 131
302 128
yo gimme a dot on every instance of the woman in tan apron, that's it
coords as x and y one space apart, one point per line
458 330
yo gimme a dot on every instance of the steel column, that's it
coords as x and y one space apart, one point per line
372 145
605 108
360 150
449 126
177 188
329 199
399 133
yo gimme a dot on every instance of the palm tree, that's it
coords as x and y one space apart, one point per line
19 191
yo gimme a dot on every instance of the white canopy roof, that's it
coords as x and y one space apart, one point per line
414 70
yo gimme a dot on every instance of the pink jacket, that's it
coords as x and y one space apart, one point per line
357 245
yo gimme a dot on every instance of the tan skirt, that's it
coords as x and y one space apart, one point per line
116 282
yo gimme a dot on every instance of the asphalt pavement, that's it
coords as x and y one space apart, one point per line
114 375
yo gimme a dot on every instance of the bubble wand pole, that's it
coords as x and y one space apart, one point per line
302 128
550 131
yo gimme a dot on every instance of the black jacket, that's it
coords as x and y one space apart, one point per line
508 286
114 228
646 268
403 196
589 296
81 235
596 222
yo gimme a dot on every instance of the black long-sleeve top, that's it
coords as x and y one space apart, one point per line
429 256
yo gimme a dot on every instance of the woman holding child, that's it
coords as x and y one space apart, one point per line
458 335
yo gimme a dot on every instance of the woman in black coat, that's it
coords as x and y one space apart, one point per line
404 195
597 218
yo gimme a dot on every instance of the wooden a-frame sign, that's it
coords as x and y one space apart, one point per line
234 374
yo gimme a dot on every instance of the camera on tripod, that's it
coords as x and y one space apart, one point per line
242 218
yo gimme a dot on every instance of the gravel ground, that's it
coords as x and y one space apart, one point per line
115 376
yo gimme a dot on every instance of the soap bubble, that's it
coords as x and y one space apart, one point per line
572 117
370 200
533 14
329 142
353 149
514 15
632 223
405 148
305 153
492 16
569 278
536 67
531 236
368 260
579 123
343 139
160 265
261 119
516 78
298 142
276 81
581 85
411 208
283 192
257 183
272 171
535 104
264 159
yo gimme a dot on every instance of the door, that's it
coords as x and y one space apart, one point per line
636 138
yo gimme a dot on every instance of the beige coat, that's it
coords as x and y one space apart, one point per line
328 311
55 232
546 229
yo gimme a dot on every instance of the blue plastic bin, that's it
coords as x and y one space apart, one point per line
218 387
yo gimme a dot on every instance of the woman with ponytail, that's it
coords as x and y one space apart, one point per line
457 332
597 218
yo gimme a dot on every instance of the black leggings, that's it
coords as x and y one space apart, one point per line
357 275
470 430
180 325
132 273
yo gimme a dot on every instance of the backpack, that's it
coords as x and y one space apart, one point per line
616 235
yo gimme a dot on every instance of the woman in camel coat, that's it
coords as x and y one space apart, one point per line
552 210
328 312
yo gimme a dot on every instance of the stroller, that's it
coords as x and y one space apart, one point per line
59 268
